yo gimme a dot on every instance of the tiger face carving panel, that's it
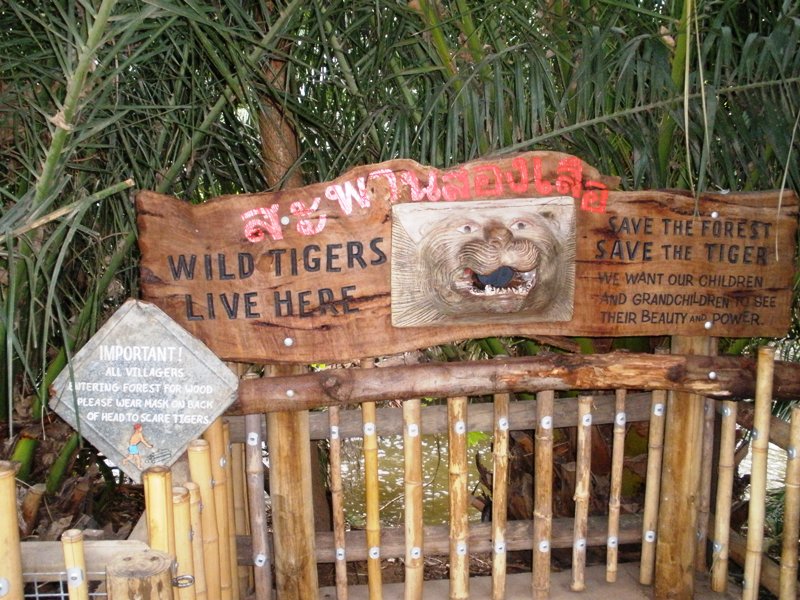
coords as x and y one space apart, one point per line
511 260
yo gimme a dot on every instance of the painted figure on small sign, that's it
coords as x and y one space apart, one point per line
137 437
483 261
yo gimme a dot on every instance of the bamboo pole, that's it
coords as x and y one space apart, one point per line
583 474
200 469
184 560
500 495
10 553
75 563
791 513
231 509
459 501
337 503
543 499
196 522
30 506
655 450
241 517
615 493
412 451
704 493
254 472
758 476
216 448
159 511
372 501
722 512
677 521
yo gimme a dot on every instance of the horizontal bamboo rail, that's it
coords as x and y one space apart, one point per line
437 542
522 416
719 377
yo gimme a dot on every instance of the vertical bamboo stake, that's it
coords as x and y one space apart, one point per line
722 512
615 493
412 450
582 483
159 511
254 471
676 540
758 475
230 512
75 563
459 502
791 512
655 451
196 522
543 499
200 469
372 501
216 448
10 551
499 496
337 503
184 560
704 493
241 520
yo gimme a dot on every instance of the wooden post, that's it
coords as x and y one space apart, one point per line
290 489
722 512
791 512
499 496
10 553
144 575
758 475
412 452
677 520
459 501
614 502
75 563
704 492
337 503
543 500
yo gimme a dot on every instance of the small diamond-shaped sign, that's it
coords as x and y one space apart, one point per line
142 388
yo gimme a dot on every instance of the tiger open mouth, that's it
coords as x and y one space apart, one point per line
504 281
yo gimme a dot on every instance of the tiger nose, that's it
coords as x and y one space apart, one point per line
497 233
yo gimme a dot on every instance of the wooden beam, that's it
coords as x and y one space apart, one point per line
722 377
680 480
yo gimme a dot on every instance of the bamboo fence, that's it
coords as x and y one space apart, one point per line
220 472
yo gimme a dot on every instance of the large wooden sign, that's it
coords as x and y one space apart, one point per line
396 256
142 388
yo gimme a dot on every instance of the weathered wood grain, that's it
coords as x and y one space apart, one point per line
305 275
720 377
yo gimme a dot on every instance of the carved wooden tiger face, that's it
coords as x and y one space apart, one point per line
484 262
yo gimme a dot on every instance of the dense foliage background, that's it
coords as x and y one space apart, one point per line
198 98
